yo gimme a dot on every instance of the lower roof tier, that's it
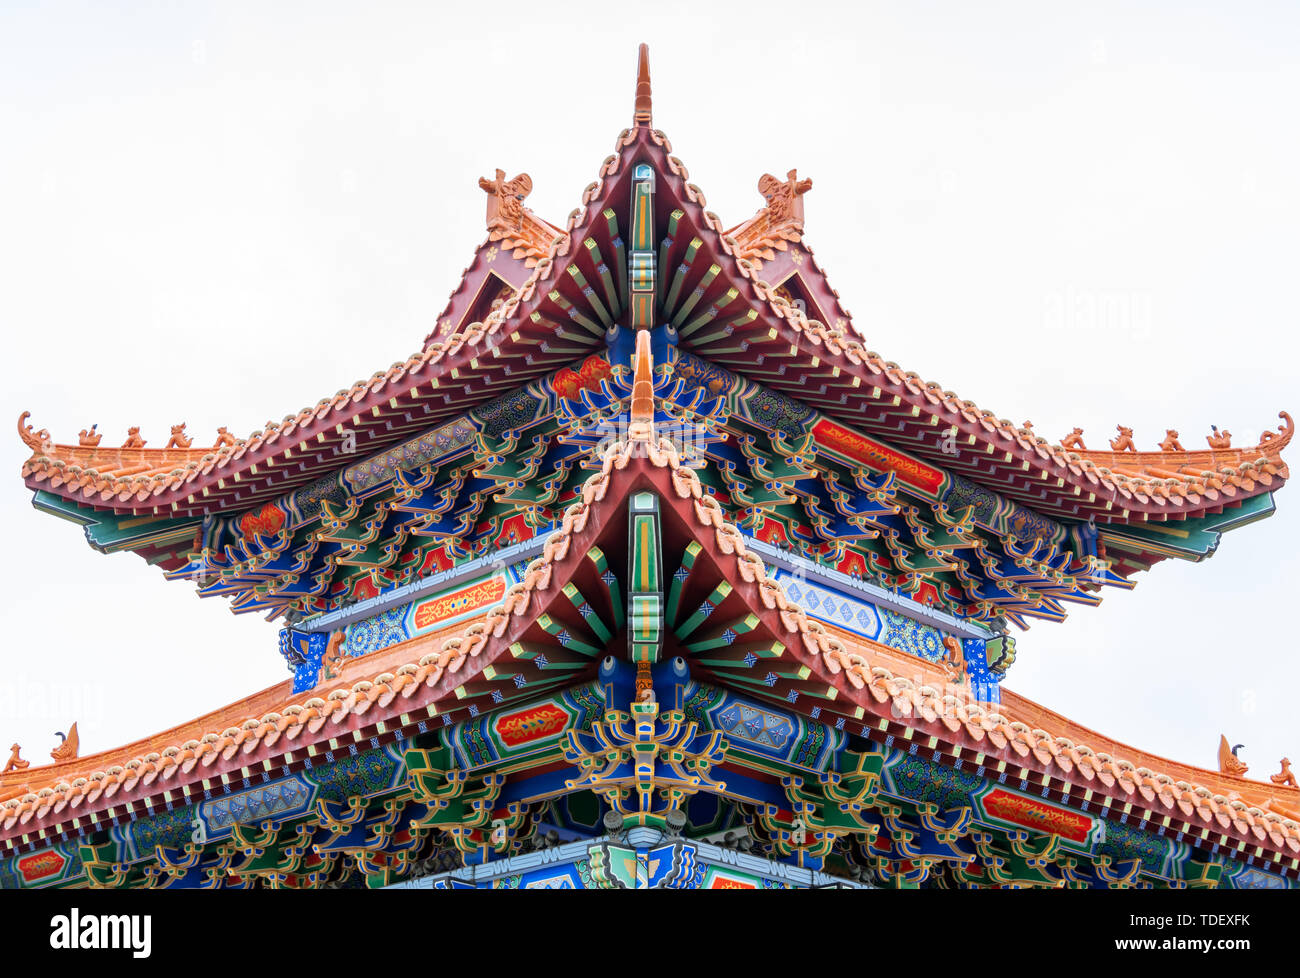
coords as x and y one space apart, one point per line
545 637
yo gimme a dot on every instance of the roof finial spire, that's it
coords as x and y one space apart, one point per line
641 115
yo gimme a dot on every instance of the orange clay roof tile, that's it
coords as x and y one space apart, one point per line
910 687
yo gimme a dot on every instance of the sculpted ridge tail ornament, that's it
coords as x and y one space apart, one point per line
505 202
1074 440
1286 777
784 197
15 762
1229 762
779 223
518 230
68 746
38 441
1123 443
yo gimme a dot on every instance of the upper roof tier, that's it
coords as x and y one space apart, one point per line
537 296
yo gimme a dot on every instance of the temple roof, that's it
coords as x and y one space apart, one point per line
876 687
538 298
730 295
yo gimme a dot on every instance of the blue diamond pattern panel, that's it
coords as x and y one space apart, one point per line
755 726
843 611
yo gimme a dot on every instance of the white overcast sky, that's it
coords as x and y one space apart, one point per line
220 213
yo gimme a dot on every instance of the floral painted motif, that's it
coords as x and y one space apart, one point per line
963 493
410 456
372 634
570 383
778 412
366 773
911 636
510 411
171 829
1123 842
266 521
924 780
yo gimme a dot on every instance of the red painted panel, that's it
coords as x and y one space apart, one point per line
860 448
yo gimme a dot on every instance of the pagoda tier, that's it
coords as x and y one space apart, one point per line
946 506
827 752
516 317
640 574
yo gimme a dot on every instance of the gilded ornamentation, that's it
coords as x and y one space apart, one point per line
774 410
265 521
1124 843
824 809
507 412
698 373
345 710
460 804
569 383
863 672
983 503
644 764
645 690
410 456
